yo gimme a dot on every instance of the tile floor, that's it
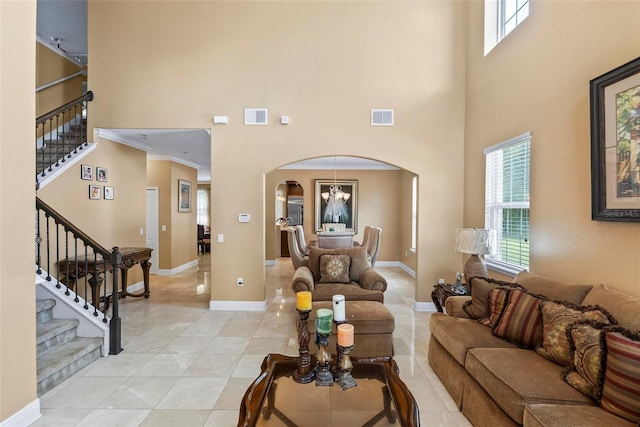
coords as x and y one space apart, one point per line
184 365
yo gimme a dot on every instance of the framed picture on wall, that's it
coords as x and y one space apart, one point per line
108 193
94 192
86 172
101 174
615 144
336 202
184 196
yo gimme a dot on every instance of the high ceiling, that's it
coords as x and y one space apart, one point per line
63 23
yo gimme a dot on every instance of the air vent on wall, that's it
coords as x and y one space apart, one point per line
255 116
381 117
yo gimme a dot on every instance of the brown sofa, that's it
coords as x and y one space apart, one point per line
360 283
496 383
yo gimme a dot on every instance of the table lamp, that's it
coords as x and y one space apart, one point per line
475 242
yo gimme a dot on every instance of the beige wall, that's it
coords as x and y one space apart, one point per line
324 64
114 222
50 67
17 184
177 245
379 204
184 233
537 80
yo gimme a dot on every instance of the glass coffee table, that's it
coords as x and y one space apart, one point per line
379 399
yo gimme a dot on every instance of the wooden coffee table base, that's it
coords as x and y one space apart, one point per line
379 389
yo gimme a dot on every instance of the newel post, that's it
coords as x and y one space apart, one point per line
115 326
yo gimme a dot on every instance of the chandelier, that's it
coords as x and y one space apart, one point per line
336 199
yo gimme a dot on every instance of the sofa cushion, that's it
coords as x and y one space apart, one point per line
457 335
478 307
557 319
624 308
588 353
553 289
358 260
351 291
517 377
621 390
571 415
521 320
367 317
334 268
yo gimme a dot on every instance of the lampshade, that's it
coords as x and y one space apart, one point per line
475 241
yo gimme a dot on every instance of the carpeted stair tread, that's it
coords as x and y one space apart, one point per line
54 333
44 310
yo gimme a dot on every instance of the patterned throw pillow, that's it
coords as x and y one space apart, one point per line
521 320
335 268
497 300
621 390
478 307
588 353
557 319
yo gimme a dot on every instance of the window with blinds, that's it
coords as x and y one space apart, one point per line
507 202
203 206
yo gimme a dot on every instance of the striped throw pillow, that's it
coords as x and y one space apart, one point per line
497 299
521 320
621 390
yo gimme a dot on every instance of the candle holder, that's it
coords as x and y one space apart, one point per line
345 380
323 364
303 373
336 368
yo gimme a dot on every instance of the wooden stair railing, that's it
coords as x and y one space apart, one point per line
59 133
65 251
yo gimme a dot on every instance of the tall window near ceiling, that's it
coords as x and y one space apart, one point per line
414 212
507 202
500 18
203 206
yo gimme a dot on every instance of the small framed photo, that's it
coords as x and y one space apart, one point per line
101 174
108 192
86 172
94 192
184 196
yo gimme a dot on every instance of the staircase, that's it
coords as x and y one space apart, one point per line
60 146
60 352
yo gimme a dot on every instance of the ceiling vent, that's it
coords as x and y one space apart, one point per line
255 116
381 117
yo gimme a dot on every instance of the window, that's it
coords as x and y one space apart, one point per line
414 213
203 207
507 203
500 18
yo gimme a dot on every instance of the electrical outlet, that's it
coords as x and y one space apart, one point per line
240 281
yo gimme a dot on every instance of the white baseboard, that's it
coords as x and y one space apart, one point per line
269 262
407 270
238 305
135 287
24 416
427 307
387 264
172 271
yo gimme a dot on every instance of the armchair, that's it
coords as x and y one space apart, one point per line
339 271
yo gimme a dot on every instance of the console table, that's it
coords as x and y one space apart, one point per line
88 266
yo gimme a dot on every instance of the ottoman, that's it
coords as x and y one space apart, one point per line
373 328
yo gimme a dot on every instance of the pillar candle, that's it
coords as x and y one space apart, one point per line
339 314
303 300
345 335
325 317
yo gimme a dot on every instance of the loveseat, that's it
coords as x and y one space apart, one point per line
499 378
345 271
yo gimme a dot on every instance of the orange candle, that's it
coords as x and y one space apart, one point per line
303 300
345 335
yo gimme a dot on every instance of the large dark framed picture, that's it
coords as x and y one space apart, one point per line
615 144
336 202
